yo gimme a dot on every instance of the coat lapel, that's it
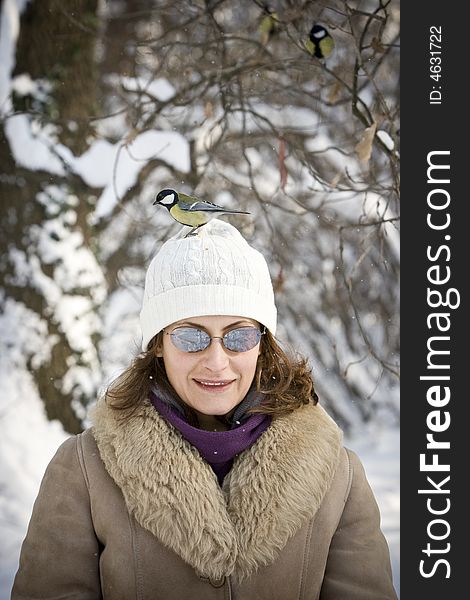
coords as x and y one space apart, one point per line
280 483
274 487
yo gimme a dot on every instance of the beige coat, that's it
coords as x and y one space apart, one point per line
138 514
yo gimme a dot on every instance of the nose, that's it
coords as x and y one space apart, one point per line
215 357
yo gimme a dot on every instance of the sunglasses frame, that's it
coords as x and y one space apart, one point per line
215 337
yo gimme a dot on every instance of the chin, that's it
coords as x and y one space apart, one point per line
215 408
214 412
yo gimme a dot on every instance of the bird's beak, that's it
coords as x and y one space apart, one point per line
156 202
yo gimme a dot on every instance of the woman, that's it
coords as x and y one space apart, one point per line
210 471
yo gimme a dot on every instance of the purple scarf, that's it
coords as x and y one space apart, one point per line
218 448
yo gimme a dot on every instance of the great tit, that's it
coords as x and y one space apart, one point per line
269 24
190 211
320 43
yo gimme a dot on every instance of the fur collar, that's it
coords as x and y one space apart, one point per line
274 487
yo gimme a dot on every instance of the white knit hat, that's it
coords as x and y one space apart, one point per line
215 272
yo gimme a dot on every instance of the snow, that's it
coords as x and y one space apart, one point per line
28 440
40 155
159 88
116 166
386 139
9 29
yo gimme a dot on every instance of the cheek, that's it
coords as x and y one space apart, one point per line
173 361
247 364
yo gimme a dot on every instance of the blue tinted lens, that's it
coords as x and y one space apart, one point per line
242 339
190 339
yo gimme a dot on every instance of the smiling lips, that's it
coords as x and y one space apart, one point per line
213 385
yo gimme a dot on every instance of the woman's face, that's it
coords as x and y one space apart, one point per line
212 381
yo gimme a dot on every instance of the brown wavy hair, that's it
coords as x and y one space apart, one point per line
285 381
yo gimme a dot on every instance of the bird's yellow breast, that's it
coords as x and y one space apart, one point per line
327 46
193 219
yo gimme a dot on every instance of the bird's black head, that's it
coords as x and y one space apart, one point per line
317 32
167 198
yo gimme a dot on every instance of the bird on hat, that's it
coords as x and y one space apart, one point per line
191 211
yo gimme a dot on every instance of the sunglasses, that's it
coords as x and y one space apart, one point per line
192 339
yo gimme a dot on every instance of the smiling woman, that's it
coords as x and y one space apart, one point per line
211 471
213 380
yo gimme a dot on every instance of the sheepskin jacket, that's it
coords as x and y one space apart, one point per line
129 509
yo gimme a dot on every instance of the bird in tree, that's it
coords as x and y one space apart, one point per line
269 24
319 43
191 211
